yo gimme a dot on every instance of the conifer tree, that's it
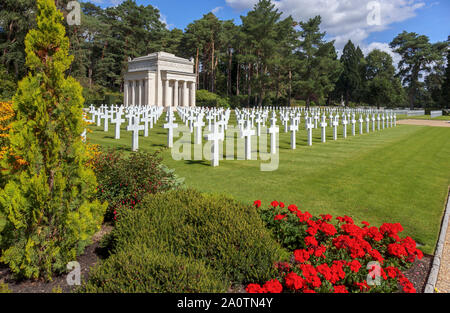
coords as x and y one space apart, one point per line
47 209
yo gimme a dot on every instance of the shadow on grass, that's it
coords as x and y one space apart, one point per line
199 162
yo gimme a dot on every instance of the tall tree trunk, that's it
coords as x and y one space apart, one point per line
277 97
413 87
238 72
230 55
249 84
290 88
197 68
212 67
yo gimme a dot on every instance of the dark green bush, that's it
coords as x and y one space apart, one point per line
226 236
124 181
204 98
150 271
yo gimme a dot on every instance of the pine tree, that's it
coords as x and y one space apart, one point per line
350 79
418 56
445 96
382 87
318 68
47 209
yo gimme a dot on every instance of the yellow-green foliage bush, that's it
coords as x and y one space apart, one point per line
48 210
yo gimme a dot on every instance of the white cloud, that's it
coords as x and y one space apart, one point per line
344 19
216 10
383 46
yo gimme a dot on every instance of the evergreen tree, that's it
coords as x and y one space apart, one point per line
349 81
47 209
17 17
418 56
382 87
445 94
260 28
319 68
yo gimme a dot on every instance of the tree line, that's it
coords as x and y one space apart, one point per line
267 59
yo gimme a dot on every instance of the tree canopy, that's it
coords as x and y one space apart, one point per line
267 58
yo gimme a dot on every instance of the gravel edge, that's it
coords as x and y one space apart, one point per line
434 272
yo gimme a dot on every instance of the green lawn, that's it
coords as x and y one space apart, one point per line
423 117
398 174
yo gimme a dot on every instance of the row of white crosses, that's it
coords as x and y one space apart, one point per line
148 115
218 119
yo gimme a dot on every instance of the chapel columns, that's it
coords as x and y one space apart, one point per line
137 92
178 93
174 92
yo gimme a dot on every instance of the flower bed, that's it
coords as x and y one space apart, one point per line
335 255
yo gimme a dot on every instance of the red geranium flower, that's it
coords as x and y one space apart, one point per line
273 286
279 217
311 241
354 266
294 281
257 203
340 289
274 204
254 288
301 255
328 229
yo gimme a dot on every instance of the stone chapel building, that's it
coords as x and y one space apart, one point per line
160 79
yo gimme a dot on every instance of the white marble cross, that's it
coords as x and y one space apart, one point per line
170 125
273 130
258 122
309 127
316 120
378 120
373 122
344 124
335 125
247 133
323 125
367 123
353 121
135 127
360 124
210 117
214 137
146 119
293 128
198 124
107 114
118 121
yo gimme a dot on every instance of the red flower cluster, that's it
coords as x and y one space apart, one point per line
337 252
272 286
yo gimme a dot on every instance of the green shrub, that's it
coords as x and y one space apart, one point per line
124 181
226 236
205 98
150 271
4 288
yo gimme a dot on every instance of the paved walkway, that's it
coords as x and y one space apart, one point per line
443 281
425 123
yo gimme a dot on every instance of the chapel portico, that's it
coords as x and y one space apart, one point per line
160 79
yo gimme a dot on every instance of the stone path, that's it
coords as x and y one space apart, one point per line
443 281
424 123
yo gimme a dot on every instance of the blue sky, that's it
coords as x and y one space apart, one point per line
341 19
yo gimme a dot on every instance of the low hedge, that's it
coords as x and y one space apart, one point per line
148 270
227 237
